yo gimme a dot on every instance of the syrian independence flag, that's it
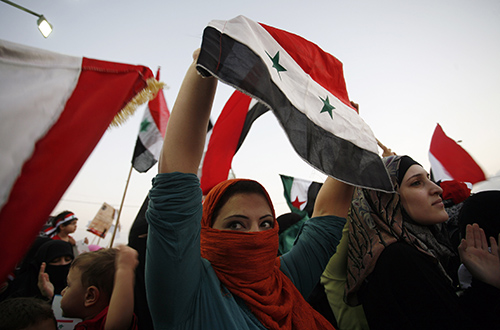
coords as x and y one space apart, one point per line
151 133
54 110
449 161
228 133
305 88
300 194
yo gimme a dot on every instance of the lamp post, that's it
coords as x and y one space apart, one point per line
43 25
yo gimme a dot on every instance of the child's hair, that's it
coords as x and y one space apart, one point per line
60 217
22 312
98 269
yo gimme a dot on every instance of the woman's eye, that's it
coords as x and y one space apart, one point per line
235 225
416 183
267 224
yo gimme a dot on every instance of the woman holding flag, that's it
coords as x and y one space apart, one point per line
224 273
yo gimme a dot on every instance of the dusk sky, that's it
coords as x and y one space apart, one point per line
410 65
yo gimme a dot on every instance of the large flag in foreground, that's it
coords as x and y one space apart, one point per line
305 88
151 132
449 161
54 110
300 194
228 133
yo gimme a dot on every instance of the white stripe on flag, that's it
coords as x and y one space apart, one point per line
151 138
27 119
304 96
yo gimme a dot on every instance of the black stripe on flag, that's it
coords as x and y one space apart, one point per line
237 65
143 159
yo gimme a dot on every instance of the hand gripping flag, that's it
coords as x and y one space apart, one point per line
151 132
54 110
305 89
449 161
227 135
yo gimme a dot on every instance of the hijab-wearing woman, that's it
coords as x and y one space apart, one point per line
52 257
398 258
215 266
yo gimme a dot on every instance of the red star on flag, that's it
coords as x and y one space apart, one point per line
296 203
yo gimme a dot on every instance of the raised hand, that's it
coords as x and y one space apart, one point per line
474 252
44 285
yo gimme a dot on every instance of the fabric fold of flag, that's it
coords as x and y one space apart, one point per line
227 136
305 88
151 132
55 108
449 161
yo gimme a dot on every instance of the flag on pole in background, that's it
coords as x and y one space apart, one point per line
300 194
151 132
226 137
305 88
54 110
449 161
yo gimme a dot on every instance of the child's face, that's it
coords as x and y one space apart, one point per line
69 228
73 296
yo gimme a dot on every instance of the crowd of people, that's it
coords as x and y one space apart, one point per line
364 260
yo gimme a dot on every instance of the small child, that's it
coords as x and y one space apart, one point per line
26 313
100 289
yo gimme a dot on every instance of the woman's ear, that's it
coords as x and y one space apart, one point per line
91 296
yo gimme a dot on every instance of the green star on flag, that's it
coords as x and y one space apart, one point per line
144 125
276 64
327 107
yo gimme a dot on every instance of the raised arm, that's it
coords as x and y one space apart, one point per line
334 198
121 305
187 126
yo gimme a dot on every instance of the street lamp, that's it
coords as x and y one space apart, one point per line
43 25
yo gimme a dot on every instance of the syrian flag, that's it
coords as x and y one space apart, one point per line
449 161
300 194
151 133
305 88
55 108
228 133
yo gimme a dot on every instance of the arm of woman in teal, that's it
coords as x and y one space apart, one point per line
319 237
187 127
173 263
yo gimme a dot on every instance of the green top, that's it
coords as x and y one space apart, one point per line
183 289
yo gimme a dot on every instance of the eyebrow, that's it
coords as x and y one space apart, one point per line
426 175
245 217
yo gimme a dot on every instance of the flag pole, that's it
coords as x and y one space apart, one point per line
121 206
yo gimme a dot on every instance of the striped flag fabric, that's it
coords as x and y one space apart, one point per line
54 110
151 132
300 194
305 88
226 137
449 161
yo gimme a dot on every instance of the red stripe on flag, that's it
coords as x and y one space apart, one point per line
159 109
457 162
323 68
224 141
103 89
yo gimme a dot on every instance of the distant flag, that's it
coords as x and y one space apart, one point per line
300 194
151 132
54 110
449 161
305 88
228 133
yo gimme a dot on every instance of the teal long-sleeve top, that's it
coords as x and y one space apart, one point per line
182 288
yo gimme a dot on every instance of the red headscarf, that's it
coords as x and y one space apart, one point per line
247 264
